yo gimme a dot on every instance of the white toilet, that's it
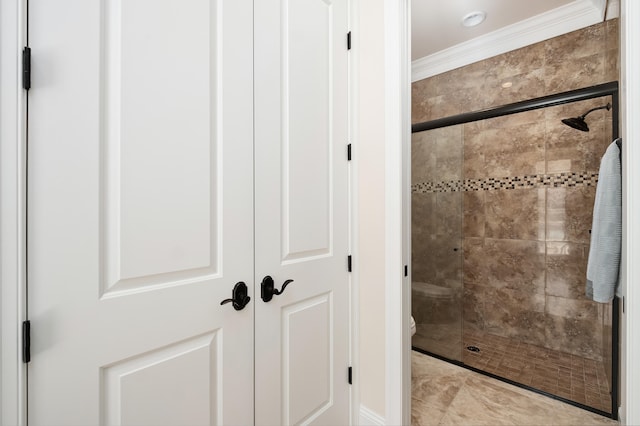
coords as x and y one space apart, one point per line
413 326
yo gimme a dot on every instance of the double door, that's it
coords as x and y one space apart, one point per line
179 150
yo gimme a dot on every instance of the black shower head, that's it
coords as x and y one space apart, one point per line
579 123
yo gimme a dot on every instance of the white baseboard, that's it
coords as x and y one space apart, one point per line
370 418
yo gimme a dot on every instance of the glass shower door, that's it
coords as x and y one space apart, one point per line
437 194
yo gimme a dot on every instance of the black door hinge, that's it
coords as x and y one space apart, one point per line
349 152
26 342
406 270
26 68
350 375
349 40
349 263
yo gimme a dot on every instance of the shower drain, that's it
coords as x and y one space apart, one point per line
473 348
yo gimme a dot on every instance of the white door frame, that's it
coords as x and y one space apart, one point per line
630 100
397 50
12 211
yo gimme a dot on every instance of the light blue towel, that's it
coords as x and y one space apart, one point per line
606 232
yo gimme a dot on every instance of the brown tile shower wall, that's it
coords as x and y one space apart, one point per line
519 248
578 59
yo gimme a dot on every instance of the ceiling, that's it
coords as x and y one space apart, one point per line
437 24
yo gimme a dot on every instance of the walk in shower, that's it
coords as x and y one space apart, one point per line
502 203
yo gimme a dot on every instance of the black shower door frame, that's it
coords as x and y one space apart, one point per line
591 92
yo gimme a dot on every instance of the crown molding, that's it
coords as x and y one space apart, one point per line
570 17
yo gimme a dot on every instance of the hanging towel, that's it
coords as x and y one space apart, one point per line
606 231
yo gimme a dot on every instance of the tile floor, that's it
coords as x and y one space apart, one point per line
445 394
572 377
569 376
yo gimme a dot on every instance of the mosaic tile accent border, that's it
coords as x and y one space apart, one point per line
556 180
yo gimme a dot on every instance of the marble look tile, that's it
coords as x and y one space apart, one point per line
508 146
423 228
447 262
473 214
427 366
571 308
570 150
436 392
566 265
422 269
474 270
421 91
471 132
514 120
515 264
464 78
441 339
581 337
513 151
473 307
569 214
473 167
422 415
429 311
575 74
515 214
478 98
612 53
578 59
436 155
434 384
449 155
511 264
423 157
449 215
473 152
446 105
423 214
612 33
575 45
484 401
516 62
521 87
515 314
612 65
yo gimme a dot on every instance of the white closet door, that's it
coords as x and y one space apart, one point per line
301 184
140 212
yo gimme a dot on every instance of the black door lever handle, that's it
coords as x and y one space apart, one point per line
239 297
267 289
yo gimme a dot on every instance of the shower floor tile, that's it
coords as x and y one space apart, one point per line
444 394
569 376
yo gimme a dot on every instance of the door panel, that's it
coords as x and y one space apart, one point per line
301 349
140 212
301 187
160 226
132 395
306 127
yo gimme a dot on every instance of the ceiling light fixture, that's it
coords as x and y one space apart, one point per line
474 18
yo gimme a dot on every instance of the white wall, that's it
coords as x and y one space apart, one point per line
370 261
383 121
